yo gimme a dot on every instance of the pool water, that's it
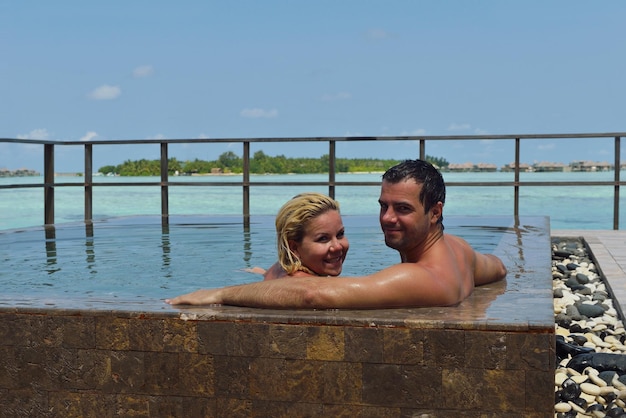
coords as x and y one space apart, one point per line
136 258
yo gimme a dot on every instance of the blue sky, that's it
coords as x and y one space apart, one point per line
74 70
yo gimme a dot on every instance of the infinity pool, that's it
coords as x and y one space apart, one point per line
84 330
137 259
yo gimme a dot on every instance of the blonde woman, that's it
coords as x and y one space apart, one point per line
310 237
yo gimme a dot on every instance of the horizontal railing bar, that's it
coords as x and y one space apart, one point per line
318 139
49 185
324 183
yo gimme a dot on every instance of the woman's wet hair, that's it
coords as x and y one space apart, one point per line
291 222
424 173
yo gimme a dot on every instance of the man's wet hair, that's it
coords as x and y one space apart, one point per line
424 173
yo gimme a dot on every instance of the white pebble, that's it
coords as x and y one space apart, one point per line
590 388
562 407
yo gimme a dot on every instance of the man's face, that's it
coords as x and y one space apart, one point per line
402 217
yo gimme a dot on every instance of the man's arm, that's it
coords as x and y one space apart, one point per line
488 269
401 285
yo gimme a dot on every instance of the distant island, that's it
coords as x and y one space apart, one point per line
260 163
22 172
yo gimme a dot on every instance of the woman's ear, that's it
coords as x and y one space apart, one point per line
293 247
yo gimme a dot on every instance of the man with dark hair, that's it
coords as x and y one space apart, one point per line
436 269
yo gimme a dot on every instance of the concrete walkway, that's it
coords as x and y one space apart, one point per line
609 249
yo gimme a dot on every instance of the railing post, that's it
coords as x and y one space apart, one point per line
246 183
88 183
516 181
422 149
48 187
618 168
331 168
165 212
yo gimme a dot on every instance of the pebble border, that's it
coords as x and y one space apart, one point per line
590 375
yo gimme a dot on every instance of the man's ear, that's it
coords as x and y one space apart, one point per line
436 211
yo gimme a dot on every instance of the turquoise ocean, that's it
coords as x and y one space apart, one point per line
568 207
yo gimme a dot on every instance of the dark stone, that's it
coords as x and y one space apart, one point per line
572 266
599 361
563 348
582 278
570 390
596 407
590 311
562 254
562 268
607 376
616 412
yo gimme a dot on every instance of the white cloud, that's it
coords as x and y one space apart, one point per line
105 92
259 113
338 96
41 134
143 71
378 34
459 127
549 146
89 136
479 131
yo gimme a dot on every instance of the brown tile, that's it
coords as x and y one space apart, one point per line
146 334
403 346
81 404
479 389
485 350
360 411
325 343
24 403
71 369
401 385
269 380
112 333
342 383
287 341
234 339
234 408
196 374
125 372
180 336
232 377
363 344
9 370
263 409
161 373
130 405
30 364
199 407
531 351
165 406
444 348
539 391
75 331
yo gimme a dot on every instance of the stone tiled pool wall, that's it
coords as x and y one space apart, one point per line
491 356
81 363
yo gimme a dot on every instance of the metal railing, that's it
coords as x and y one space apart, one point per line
49 183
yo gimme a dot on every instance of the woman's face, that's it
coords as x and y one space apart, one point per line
324 245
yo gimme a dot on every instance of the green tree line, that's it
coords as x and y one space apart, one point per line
260 163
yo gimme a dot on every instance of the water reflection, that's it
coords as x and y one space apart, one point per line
89 247
166 250
51 249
